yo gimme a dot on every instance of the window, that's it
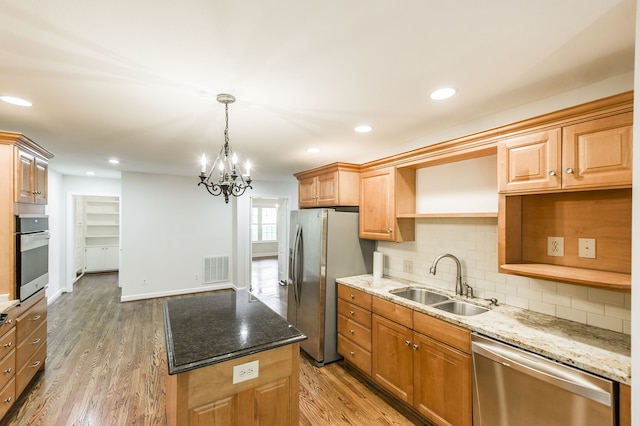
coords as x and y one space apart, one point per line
264 224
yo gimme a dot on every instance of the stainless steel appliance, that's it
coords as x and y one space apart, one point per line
32 254
516 387
324 245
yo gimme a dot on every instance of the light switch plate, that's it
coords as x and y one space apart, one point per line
587 248
244 372
555 246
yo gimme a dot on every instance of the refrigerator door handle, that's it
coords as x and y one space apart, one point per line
296 264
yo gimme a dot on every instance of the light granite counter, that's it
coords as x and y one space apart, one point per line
8 304
599 351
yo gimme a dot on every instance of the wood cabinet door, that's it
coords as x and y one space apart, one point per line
327 187
24 183
377 204
598 153
530 162
307 192
442 382
41 173
392 358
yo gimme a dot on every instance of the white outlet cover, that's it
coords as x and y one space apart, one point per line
587 248
555 246
244 372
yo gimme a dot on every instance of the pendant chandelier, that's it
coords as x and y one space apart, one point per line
225 177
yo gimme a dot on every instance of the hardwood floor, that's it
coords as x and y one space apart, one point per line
107 364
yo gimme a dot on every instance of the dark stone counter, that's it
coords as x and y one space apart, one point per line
208 329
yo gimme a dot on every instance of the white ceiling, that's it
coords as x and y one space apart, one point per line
138 79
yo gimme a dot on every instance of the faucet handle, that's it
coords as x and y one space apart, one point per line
469 291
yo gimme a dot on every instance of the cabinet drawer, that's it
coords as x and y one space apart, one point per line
30 345
7 368
357 297
354 332
393 311
33 365
354 313
31 319
7 397
10 322
7 343
452 335
354 354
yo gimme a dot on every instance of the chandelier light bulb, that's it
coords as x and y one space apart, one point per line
203 163
248 167
234 159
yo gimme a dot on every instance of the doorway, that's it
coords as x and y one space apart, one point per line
269 234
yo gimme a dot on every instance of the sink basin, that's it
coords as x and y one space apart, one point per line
460 308
420 295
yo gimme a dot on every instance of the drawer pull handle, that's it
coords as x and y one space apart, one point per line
8 370
406 342
36 318
8 345
416 347
352 331
35 342
35 364
351 313
8 399
352 353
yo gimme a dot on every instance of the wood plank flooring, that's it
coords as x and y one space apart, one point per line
107 364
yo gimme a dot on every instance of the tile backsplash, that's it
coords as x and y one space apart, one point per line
474 241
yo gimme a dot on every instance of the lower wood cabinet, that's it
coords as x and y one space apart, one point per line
354 327
207 396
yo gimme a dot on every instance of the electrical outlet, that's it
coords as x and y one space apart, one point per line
587 248
195 277
245 372
555 246
144 282
407 266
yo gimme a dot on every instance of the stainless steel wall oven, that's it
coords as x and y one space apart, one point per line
32 254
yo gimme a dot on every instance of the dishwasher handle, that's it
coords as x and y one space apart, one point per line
548 371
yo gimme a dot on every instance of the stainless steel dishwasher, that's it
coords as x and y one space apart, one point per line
515 387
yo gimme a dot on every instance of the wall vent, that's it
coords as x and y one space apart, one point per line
216 269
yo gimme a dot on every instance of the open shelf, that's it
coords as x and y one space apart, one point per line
589 277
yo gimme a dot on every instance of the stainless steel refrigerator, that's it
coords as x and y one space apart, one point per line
323 245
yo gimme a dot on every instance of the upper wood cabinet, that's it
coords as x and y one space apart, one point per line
31 174
593 154
385 194
329 186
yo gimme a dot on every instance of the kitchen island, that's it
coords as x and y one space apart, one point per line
232 360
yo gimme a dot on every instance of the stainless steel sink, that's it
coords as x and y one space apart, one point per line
420 295
460 308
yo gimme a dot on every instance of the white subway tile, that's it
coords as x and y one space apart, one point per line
573 290
587 306
543 308
606 296
556 299
571 314
601 321
626 327
617 312
528 293
518 302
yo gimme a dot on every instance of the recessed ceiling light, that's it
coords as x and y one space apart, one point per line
365 128
90 173
444 93
16 101
114 161
313 150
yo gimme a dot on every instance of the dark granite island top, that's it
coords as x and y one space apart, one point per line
208 329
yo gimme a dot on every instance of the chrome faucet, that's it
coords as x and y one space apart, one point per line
432 270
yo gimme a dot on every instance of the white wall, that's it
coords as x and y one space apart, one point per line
168 224
57 255
635 242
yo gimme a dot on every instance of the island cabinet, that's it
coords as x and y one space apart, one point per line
423 361
232 361
333 185
354 327
385 194
594 154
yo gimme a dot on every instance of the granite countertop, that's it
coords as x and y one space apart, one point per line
208 329
5 305
599 351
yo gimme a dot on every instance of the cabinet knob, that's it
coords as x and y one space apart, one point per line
351 313
352 296
352 331
8 370
552 172
8 345
569 170
390 230
408 343
352 353
8 399
416 347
